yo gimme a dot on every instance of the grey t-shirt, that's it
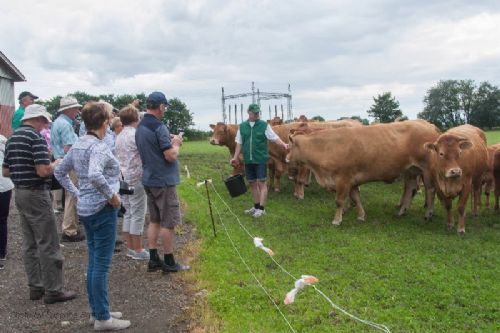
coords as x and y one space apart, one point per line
153 138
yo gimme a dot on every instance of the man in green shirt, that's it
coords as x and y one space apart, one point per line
252 137
25 99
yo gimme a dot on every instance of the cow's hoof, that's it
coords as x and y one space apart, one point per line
461 233
449 227
360 219
428 217
336 222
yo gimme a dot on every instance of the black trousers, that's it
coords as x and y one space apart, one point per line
4 214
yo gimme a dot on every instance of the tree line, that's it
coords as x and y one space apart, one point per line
177 116
448 104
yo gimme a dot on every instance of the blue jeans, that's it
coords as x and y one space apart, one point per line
100 230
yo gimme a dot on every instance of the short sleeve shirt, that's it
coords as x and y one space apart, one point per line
153 138
62 134
128 155
25 149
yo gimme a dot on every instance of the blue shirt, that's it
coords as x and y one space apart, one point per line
62 134
97 171
153 138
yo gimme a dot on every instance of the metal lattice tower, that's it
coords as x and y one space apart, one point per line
257 97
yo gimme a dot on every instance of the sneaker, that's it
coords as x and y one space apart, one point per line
250 211
143 255
259 213
61 296
116 315
154 265
112 324
75 238
3 258
36 293
1 266
130 253
174 268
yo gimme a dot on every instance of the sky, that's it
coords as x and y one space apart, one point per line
336 55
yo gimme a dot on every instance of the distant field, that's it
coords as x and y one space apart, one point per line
493 136
405 273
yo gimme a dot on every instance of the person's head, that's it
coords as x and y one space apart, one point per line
26 98
136 103
69 106
129 115
96 114
36 116
116 125
253 112
157 103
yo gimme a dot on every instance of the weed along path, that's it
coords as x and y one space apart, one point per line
153 302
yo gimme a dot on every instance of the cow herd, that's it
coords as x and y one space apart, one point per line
342 155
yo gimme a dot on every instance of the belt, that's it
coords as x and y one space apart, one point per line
39 187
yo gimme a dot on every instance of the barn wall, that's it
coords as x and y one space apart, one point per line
6 105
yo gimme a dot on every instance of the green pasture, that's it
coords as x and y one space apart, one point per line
411 275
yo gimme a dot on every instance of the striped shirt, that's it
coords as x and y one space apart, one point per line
25 149
97 171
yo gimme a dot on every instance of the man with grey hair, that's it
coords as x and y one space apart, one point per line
63 136
27 163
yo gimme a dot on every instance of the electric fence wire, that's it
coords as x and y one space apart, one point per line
380 327
245 263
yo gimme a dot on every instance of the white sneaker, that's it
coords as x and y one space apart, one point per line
250 211
116 315
259 213
130 253
143 255
112 324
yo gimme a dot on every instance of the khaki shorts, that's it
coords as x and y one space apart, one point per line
163 206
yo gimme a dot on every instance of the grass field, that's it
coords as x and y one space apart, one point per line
411 275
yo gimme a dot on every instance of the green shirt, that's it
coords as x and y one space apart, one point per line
254 142
16 118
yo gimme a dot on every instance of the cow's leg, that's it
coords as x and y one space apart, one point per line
462 201
309 178
488 186
343 189
449 214
272 170
476 193
429 195
356 198
300 180
410 188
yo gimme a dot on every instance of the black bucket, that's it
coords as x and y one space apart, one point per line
236 185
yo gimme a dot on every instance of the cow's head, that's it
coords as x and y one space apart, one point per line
447 151
220 134
275 121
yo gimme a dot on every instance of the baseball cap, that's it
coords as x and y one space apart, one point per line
157 97
254 108
26 93
36 110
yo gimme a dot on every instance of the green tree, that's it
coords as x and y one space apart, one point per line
318 118
486 106
385 108
442 105
177 117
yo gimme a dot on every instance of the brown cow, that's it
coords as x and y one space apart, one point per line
489 180
458 161
344 158
496 177
277 154
225 135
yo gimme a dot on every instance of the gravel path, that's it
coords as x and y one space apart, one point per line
153 302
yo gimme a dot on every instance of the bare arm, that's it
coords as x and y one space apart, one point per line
46 170
5 172
172 153
237 152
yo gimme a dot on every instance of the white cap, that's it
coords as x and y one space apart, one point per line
68 102
36 110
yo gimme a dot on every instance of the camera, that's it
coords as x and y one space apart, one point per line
125 188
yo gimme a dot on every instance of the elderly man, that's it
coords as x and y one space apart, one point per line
25 99
27 163
63 137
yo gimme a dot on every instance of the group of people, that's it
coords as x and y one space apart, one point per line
91 168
